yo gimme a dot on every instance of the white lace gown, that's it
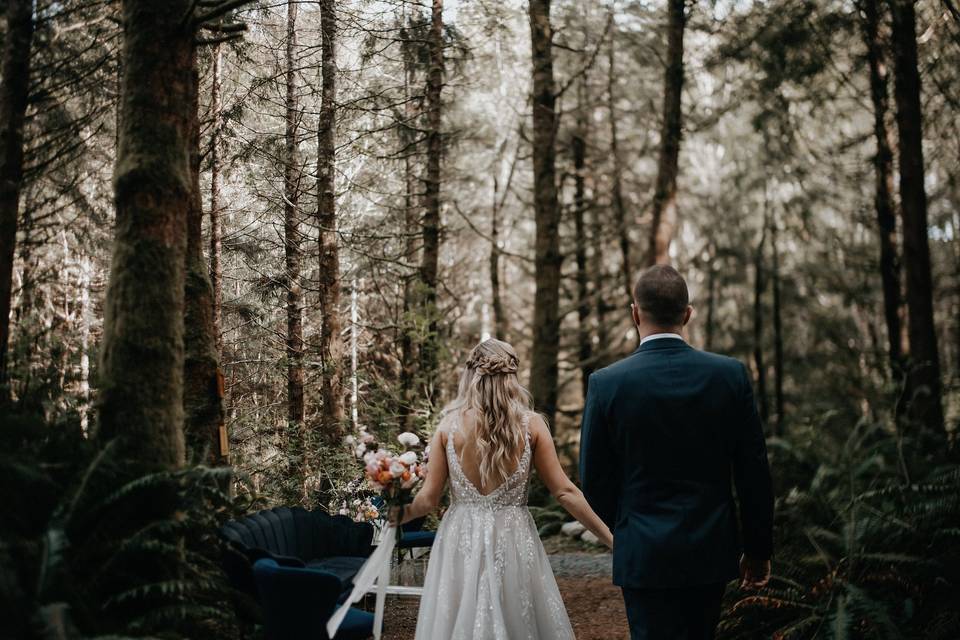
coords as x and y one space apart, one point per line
489 577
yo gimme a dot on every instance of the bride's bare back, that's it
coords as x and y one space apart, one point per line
465 446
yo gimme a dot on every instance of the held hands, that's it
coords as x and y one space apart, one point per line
754 574
607 538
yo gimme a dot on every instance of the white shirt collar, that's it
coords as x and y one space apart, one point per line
658 336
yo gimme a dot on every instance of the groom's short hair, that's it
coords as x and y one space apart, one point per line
661 294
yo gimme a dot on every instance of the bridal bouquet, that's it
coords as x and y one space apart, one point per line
394 475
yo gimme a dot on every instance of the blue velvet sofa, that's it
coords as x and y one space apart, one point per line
296 538
297 602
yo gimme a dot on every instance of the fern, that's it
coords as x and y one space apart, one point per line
862 553
112 551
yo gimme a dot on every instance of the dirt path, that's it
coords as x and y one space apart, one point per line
594 604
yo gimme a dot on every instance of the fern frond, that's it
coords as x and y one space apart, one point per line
872 612
840 621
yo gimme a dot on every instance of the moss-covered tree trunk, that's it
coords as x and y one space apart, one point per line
202 386
923 381
544 369
664 218
141 384
330 342
883 187
14 91
430 258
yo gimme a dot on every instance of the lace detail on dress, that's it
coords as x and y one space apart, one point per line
512 492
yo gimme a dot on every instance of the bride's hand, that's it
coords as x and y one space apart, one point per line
394 516
607 539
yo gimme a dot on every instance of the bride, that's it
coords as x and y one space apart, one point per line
489 576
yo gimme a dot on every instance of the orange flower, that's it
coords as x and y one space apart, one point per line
385 477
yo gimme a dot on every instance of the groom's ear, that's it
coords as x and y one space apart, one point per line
635 313
687 315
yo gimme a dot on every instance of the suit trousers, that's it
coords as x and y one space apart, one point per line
684 613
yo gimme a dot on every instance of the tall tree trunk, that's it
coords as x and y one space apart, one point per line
578 149
141 387
619 208
14 92
777 331
956 275
291 243
202 387
759 287
501 327
216 220
924 368
331 342
544 368
883 191
664 220
354 356
431 201
86 275
411 224
599 277
499 318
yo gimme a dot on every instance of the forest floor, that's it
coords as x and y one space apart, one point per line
594 604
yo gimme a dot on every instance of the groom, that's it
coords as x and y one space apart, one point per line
664 430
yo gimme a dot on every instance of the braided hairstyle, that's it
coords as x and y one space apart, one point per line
495 393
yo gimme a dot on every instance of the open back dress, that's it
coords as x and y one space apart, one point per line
489 577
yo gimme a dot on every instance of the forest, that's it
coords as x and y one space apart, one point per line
234 234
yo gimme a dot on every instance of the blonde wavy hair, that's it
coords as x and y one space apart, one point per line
489 385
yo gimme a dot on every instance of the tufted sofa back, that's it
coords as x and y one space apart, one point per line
291 535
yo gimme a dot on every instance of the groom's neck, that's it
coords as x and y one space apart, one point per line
646 330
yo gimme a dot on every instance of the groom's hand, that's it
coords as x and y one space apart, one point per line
754 574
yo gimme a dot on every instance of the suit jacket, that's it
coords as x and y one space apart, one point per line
664 432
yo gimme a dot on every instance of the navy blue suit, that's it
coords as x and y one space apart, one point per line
664 433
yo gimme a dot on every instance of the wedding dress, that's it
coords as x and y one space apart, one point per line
489 577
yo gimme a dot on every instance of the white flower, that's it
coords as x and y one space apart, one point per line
367 438
397 469
361 450
351 440
408 439
344 512
409 458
